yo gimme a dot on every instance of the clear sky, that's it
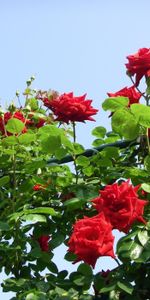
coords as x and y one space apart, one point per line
71 45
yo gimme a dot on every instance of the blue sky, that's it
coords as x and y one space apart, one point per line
78 45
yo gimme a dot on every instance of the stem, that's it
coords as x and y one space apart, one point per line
117 261
74 156
147 137
74 132
143 94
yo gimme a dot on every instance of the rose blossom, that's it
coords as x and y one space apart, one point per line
67 107
139 64
130 93
120 205
91 239
43 242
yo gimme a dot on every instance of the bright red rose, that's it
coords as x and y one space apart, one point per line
120 205
130 93
69 108
91 239
43 242
139 64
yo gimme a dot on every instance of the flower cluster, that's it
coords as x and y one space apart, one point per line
28 121
118 207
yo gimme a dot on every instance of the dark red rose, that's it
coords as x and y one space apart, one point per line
139 64
69 108
120 205
43 242
91 239
130 93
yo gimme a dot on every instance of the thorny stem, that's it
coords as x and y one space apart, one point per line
74 156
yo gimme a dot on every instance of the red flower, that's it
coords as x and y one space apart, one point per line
39 187
120 205
91 239
69 108
43 242
139 64
130 93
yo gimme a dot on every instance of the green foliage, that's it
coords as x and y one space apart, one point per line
40 199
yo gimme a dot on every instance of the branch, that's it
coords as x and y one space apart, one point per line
90 152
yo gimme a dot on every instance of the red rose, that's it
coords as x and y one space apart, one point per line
139 64
91 239
130 93
120 205
43 242
69 108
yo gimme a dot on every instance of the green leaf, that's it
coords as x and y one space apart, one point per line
108 288
41 210
10 140
70 256
82 161
26 138
14 126
57 240
114 103
51 143
146 187
73 203
124 123
143 237
34 218
141 113
125 286
4 180
147 163
78 149
50 130
98 142
99 131
4 226
85 269
135 251
52 267
148 85
60 153
36 296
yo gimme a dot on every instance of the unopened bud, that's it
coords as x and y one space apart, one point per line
17 93
32 78
28 82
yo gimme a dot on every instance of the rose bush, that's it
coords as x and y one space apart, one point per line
46 203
